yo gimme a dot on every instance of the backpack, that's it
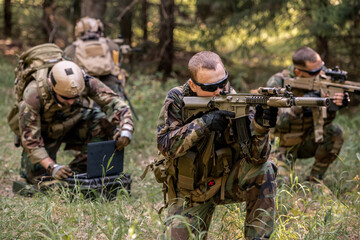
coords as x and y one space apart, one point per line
94 56
33 64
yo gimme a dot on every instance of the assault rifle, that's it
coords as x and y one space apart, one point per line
240 103
118 58
333 81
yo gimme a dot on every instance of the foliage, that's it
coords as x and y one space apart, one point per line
255 38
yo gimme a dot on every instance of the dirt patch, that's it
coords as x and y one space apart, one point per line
6 185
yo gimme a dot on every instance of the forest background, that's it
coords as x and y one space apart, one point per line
254 38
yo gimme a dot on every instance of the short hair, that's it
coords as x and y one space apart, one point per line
204 59
303 55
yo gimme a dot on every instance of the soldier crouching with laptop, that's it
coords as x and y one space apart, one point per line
57 112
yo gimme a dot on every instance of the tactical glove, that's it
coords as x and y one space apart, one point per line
266 117
122 142
59 171
217 120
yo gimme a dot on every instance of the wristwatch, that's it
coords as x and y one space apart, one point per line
51 167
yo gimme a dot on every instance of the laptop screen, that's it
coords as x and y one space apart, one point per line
104 160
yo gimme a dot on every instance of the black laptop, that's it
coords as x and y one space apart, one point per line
104 171
104 160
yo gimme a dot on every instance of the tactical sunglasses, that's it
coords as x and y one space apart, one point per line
313 72
212 87
69 98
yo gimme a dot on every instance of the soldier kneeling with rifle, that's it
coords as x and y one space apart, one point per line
204 164
309 132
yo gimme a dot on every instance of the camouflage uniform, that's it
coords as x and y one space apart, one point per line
43 127
249 176
116 79
295 130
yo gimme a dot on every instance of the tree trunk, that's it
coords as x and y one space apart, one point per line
7 18
126 20
48 20
166 38
93 9
322 47
50 26
144 19
75 11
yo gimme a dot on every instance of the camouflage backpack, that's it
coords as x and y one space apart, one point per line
33 64
95 57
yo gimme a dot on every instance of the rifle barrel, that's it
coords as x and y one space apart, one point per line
311 101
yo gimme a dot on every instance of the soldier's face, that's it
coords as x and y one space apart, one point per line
208 76
311 69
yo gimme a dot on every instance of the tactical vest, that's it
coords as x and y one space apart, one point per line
199 174
298 128
95 57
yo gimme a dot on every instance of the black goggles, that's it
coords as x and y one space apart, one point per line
69 98
212 87
313 72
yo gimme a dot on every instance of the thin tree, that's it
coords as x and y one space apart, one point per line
166 37
125 18
48 20
7 18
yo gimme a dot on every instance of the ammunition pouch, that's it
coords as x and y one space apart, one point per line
186 171
289 139
13 119
292 131
204 192
198 176
60 129
200 186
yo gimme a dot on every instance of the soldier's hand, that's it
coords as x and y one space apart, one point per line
122 142
266 117
60 171
340 99
217 120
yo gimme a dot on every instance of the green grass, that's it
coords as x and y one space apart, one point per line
303 211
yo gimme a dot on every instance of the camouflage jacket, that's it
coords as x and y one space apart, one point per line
175 138
37 118
294 119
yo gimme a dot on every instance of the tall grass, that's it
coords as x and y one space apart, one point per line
303 211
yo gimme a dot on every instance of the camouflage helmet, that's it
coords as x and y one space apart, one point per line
67 79
88 25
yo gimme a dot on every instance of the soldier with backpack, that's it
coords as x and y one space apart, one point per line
53 108
201 165
99 56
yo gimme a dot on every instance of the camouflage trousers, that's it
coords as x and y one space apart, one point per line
254 185
92 127
325 152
